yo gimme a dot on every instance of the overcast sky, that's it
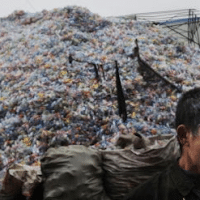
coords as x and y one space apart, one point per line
102 7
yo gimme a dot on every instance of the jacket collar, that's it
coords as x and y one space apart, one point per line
182 182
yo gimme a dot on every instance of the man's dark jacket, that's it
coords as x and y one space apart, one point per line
171 184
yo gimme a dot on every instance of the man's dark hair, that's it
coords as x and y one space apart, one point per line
188 110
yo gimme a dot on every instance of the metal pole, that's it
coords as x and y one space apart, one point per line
189 27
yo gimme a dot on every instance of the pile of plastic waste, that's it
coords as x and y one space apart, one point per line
47 100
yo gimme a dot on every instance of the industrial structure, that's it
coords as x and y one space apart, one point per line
185 23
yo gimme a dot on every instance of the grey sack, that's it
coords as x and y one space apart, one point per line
73 173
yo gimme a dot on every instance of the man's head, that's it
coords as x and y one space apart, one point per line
188 110
187 126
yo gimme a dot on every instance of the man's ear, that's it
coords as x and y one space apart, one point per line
182 133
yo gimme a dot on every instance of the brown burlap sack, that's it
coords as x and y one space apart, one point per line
129 167
10 187
73 173
19 181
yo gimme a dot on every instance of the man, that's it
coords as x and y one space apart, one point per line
181 180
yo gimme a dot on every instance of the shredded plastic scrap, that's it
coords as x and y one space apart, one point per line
47 100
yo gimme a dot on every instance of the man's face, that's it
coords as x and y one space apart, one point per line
193 148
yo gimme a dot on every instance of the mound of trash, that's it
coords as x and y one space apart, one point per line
53 94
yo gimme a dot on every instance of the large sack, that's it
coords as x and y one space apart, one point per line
10 187
30 176
129 167
19 181
72 173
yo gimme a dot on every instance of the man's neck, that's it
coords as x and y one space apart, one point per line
186 163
